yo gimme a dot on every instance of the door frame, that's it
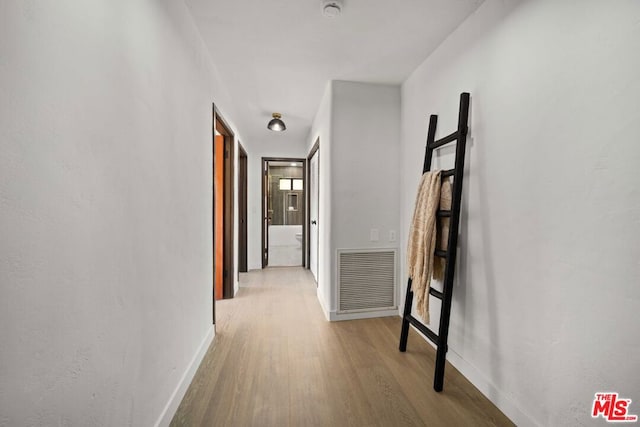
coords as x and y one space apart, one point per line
264 171
312 152
213 213
224 129
243 163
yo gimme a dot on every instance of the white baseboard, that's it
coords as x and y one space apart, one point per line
490 391
176 397
321 300
335 316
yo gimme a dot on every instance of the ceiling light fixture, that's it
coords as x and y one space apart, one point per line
276 124
331 8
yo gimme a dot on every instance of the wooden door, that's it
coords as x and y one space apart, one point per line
218 208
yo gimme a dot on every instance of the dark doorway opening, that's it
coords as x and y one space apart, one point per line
242 209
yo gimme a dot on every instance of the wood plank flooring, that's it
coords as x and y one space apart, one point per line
276 361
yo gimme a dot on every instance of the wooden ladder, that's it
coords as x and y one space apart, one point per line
440 339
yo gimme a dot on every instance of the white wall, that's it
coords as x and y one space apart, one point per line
105 210
359 129
365 160
545 305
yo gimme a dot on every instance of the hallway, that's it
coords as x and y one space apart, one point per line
276 361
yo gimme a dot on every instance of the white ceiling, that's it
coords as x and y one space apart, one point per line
278 55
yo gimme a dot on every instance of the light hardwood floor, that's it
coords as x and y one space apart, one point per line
276 361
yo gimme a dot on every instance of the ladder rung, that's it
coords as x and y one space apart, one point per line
447 173
443 213
436 293
443 141
422 328
440 253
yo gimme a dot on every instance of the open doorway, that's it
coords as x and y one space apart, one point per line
283 211
223 224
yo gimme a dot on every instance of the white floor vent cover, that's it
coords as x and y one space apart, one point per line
366 280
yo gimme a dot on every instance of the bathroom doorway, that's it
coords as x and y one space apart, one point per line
283 212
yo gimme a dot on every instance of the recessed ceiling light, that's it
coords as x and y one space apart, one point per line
331 8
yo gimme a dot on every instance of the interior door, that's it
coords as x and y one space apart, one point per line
314 194
218 205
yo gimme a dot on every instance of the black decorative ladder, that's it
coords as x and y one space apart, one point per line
440 339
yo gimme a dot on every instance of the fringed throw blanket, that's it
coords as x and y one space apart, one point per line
442 230
423 237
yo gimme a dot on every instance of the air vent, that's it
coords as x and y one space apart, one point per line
366 280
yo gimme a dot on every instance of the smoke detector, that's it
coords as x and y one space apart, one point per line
331 8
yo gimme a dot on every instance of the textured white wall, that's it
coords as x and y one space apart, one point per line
545 306
359 129
105 209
